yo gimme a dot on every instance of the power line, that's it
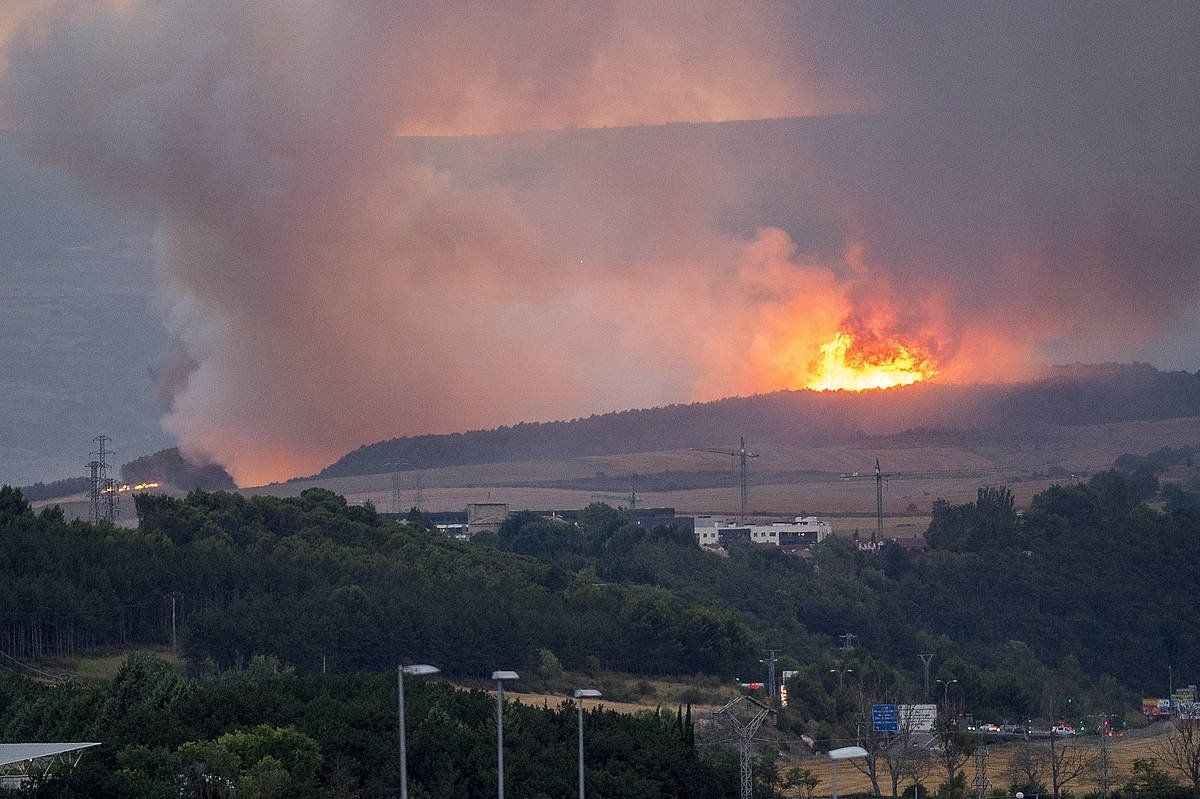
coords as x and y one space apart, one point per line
56 677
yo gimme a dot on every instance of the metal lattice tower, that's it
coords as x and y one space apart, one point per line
1104 763
981 783
104 499
743 735
93 491
395 465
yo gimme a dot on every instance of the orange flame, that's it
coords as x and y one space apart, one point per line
849 364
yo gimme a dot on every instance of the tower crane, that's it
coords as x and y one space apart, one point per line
881 477
742 455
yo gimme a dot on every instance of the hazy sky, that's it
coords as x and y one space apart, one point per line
1002 184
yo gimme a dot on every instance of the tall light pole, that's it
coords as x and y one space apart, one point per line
841 673
580 695
501 677
770 660
926 659
417 670
946 694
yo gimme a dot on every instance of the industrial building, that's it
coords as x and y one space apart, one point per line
714 531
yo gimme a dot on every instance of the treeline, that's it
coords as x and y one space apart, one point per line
314 581
167 466
1086 596
259 732
1089 594
56 488
1069 396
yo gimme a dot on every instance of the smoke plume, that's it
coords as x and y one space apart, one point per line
345 257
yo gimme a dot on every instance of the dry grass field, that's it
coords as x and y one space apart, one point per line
925 473
785 480
1122 753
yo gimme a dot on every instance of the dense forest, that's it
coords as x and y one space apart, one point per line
1090 583
260 732
1067 396
312 580
1077 605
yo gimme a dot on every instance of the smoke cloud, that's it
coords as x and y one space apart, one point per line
344 257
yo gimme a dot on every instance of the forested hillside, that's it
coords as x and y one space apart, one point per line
1069 396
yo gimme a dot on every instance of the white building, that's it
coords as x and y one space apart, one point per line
802 529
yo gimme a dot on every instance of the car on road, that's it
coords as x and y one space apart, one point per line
1062 729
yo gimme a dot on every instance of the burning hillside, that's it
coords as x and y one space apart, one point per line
852 363
326 280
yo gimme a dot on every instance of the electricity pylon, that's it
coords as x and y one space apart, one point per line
744 731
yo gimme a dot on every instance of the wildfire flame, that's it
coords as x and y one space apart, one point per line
124 487
848 363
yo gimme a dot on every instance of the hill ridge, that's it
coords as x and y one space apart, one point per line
1067 396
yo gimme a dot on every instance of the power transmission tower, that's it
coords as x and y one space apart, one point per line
419 501
742 455
105 502
743 736
94 491
926 659
395 466
981 782
1103 761
847 641
633 497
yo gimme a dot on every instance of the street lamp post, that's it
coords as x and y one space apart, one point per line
501 677
841 673
946 694
580 695
417 670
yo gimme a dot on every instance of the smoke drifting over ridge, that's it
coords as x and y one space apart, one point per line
330 280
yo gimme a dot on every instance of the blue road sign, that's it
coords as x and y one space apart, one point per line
885 718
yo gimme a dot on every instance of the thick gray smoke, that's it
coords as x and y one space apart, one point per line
1026 185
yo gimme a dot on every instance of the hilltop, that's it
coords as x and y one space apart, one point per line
923 415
